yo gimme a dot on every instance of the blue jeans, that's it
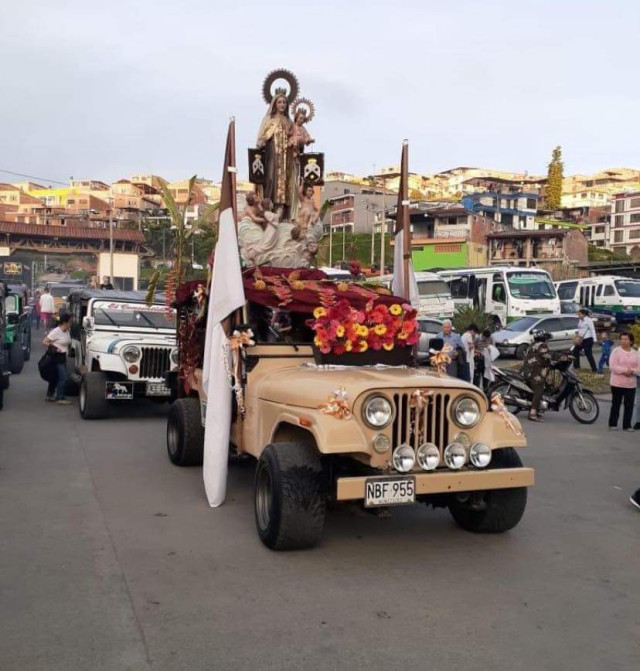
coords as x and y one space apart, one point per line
61 369
604 361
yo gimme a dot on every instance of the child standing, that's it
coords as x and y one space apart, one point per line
607 346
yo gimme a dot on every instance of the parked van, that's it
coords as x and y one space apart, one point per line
505 292
434 295
611 294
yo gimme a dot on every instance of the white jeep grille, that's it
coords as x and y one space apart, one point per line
155 362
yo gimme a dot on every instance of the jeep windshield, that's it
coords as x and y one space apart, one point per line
135 317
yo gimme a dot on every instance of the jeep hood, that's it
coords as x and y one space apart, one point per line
307 386
112 344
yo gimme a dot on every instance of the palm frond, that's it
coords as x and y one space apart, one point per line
153 285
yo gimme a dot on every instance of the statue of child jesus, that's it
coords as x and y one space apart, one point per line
298 135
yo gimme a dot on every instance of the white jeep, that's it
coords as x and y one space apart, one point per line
121 349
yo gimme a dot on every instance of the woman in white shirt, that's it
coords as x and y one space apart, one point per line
57 343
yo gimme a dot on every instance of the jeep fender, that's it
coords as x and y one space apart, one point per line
108 363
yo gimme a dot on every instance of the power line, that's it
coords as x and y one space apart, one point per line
40 179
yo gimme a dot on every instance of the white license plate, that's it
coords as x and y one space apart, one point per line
158 389
389 491
119 391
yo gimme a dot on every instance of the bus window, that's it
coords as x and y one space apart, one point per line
609 290
530 285
599 290
628 288
567 291
459 287
498 294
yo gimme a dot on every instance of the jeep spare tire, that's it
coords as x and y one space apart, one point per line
92 402
185 433
290 496
16 358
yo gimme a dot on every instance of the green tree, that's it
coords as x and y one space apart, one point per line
554 180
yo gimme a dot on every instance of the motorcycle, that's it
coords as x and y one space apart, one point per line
517 394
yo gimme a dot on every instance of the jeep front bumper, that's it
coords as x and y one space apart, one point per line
443 482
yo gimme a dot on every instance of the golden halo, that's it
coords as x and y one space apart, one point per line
306 105
273 77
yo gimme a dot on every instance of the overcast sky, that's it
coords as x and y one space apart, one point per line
106 89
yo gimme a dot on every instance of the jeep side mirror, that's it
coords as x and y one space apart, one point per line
87 322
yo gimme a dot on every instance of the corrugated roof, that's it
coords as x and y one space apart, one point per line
69 232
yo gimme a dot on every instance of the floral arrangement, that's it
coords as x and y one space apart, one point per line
342 328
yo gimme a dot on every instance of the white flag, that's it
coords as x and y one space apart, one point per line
226 294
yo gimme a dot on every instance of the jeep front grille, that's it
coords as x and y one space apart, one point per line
429 424
155 362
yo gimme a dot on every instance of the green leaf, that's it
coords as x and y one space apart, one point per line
153 283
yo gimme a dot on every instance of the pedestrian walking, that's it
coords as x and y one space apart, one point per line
47 308
607 348
466 365
586 338
57 343
625 366
449 337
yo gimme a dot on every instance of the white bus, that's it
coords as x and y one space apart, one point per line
505 292
434 297
610 294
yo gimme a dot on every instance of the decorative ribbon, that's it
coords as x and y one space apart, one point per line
234 345
337 405
497 405
419 398
440 360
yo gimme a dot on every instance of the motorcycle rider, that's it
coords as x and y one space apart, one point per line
535 369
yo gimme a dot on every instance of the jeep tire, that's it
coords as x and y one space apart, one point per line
503 508
290 496
16 357
185 433
92 401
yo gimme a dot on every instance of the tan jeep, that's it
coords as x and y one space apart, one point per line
379 436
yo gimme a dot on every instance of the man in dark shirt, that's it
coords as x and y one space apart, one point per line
106 283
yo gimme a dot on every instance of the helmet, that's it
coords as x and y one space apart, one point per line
539 335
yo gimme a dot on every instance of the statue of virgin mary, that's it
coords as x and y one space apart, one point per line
274 137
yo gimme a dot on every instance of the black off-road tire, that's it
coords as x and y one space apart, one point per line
92 401
504 507
16 358
290 496
521 351
185 433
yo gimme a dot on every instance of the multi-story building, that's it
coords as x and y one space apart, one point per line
516 209
611 181
558 251
624 233
354 206
594 197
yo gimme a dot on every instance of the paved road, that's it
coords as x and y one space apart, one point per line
110 559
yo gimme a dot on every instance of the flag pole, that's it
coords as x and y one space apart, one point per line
406 225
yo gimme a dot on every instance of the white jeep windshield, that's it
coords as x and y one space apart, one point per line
530 285
131 315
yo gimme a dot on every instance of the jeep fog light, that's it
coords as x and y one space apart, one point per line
428 456
480 455
377 412
404 458
454 456
131 353
463 439
381 443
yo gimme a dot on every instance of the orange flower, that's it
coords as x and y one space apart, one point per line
348 345
402 335
388 346
340 331
380 329
319 312
259 285
395 309
363 347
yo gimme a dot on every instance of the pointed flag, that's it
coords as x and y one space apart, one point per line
226 294
404 279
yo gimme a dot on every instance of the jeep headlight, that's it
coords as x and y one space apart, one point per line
377 412
131 353
466 412
175 357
